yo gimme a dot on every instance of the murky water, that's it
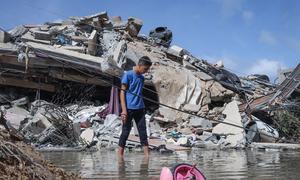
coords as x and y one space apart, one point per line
230 164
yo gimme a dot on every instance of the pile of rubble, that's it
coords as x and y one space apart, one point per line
21 161
73 63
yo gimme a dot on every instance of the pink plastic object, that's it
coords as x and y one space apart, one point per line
166 174
182 172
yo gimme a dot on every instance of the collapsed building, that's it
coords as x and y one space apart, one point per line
59 88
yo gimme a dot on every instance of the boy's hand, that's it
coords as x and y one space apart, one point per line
124 116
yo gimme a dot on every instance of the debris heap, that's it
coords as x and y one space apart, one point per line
59 87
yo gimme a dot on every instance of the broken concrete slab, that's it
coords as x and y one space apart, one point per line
234 136
92 62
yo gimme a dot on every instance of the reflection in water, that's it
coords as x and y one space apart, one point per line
231 164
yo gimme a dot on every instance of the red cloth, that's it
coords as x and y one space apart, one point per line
114 104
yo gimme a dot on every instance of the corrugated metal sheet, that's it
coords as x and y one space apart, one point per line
283 91
290 84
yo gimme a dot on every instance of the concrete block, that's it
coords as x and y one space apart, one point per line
134 26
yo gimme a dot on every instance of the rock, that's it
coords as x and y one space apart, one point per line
235 136
87 135
183 141
200 122
15 116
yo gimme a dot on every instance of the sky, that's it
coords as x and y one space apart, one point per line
250 37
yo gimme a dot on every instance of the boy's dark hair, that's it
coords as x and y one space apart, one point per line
145 61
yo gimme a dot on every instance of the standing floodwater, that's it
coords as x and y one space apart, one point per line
231 164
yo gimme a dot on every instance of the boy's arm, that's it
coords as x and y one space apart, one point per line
123 102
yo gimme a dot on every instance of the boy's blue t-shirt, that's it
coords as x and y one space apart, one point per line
135 83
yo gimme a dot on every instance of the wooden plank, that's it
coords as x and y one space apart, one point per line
8 81
158 142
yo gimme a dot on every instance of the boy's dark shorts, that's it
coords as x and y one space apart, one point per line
139 116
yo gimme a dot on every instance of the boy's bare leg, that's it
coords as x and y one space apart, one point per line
146 151
121 152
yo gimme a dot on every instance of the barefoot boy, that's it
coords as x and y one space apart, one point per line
132 104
